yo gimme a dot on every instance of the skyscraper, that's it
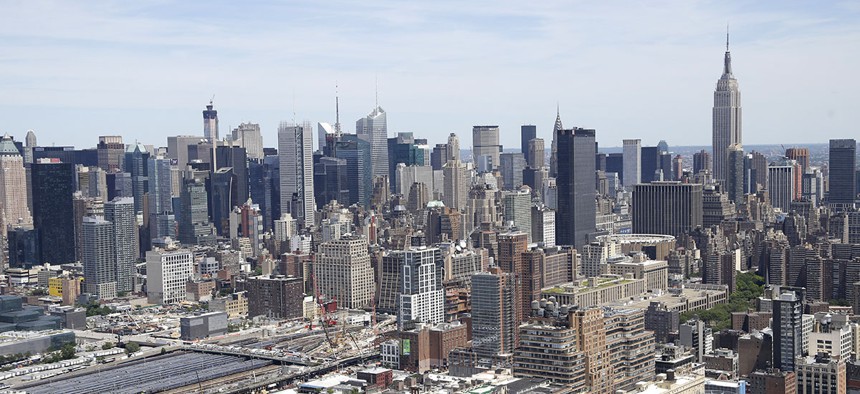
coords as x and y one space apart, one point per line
343 272
536 152
111 152
575 217
781 183
454 175
671 208
843 162
160 185
632 163
193 215
248 136
210 123
701 161
99 257
421 297
726 117
553 155
485 147
494 305
511 165
235 157
374 129
649 164
53 184
295 152
527 133
518 209
177 148
357 153
13 181
787 331
331 181
735 175
120 212
136 163
800 155
403 149
30 143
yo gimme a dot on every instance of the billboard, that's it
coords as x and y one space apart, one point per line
406 347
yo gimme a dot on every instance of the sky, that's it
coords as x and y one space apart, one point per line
72 71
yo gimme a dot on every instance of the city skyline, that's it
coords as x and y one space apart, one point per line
96 67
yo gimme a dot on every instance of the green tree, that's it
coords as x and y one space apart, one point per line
748 287
68 351
132 347
107 346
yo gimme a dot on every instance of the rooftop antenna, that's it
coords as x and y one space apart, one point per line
336 110
212 99
294 107
376 81
727 36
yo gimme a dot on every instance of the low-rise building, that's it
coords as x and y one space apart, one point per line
199 291
202 326
34 342
376 377
669 384
772 381
234 304
596 291
445 337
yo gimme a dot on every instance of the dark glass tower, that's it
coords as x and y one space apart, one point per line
53 213
575 217
615 163
193 217
331 181
650 156
220 201
263 181
402 149
843 161
357 153
137 164
735 178
236 158
527 133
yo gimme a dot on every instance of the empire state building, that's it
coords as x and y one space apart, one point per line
726 118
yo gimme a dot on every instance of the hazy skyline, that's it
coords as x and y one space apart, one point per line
74 70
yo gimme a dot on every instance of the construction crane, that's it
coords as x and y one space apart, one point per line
323 313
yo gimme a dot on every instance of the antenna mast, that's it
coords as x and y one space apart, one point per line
336 111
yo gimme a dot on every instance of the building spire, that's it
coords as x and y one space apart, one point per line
727 61
558 125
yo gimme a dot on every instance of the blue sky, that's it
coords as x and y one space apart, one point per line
629 69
